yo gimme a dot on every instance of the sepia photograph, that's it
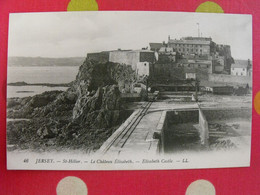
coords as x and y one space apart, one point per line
128 90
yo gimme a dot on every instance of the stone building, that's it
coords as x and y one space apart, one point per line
191 45
196 64
166 54
241 68
217 56
138 59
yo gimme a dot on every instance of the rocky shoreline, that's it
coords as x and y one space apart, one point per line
82 117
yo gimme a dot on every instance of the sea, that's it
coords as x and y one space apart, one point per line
38 74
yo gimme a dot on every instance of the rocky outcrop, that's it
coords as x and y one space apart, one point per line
25 107
100 110
83 116
47 104
93 75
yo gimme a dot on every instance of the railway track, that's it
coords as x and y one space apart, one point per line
120 139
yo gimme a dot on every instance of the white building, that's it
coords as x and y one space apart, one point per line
239 68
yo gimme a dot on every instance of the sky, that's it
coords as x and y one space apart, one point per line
74 34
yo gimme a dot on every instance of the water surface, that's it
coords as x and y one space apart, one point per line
38 74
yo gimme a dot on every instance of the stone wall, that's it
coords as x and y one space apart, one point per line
168 72
99 57
125 57
231 79
220 114
131 57
171 72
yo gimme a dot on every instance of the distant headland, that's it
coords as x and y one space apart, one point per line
43 61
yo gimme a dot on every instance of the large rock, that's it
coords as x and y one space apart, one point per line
43 99
100 110
86 103
93 75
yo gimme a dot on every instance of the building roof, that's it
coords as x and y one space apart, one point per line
102 52
155 46
121 50
191 40
241 61
143 50
198 38
240 64
134 51
194 42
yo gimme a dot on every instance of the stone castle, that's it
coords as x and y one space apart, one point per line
185 58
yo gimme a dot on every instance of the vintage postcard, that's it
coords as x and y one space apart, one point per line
129 90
